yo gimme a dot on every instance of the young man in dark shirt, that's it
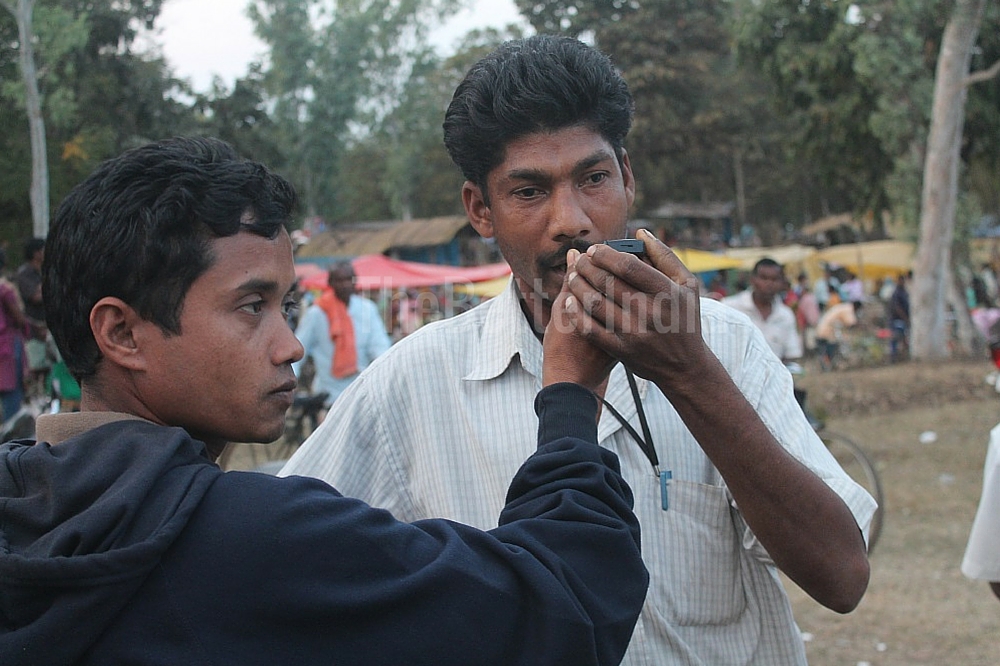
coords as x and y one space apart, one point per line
168 279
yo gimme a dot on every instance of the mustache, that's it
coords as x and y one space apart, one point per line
558 257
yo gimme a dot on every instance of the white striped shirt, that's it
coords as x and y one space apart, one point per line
438 426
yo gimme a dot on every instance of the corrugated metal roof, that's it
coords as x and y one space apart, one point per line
352 240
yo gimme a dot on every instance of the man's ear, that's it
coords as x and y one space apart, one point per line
628 178
114 323
477 209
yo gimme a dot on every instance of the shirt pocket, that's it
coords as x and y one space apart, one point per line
693 554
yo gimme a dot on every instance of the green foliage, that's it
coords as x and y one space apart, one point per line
99 96
856 80
338 71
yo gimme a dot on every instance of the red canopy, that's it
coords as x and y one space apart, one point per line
376 271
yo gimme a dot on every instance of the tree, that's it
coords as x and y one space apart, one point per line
933 279
826 65
98 97
23 12
337 70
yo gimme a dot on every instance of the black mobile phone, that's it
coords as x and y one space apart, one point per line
629 245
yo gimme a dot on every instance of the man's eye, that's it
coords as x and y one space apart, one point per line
598 177
255 307
528 192
290 307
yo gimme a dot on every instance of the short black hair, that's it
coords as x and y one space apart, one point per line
542 83
765 262
139 228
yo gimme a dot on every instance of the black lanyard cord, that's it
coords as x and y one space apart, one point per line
646 441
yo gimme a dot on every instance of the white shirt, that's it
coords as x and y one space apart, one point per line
313 332
439 425
982 553
780 328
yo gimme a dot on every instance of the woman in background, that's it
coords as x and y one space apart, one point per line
13 325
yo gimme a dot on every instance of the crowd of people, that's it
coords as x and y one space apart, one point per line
815 318
478 491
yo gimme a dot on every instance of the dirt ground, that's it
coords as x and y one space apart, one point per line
919 608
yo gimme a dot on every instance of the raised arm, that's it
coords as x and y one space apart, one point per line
648 316
559 581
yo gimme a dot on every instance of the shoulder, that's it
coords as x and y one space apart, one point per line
365 303
736 299
721 322
784 310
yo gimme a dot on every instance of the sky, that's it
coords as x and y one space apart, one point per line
202 38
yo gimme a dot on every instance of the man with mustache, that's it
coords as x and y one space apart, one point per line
731 482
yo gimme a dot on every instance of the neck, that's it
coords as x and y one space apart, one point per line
761 300
536 309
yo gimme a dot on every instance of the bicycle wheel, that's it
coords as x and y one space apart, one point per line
859 467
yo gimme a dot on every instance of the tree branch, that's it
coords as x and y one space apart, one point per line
982 75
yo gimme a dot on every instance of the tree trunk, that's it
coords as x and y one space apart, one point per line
741 196
964 332
36 123
940 189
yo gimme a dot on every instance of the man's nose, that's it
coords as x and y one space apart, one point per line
569 219
287 348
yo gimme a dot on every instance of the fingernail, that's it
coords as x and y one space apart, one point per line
570 302
572 256
592 249
648 233
571 276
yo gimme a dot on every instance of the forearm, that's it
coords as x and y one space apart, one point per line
803 524
569 507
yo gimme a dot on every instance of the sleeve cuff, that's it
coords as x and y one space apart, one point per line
566 410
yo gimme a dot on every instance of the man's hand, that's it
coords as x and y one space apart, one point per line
568 357
646 315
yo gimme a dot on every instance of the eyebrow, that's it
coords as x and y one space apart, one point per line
258 284
587 162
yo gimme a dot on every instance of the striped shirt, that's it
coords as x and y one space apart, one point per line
438 426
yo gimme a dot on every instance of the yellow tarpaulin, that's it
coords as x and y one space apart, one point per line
786 255
871 260
484 289
700 261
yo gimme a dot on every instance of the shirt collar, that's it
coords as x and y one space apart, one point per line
506 334
57 428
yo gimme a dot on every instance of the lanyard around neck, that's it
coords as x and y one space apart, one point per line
646 441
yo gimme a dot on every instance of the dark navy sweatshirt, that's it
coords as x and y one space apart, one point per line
126 545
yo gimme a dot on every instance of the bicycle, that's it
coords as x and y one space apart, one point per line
852 458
